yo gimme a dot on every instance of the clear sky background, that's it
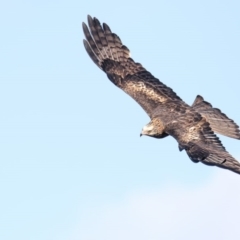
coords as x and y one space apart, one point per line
72 164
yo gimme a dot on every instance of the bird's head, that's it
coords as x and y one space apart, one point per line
154 129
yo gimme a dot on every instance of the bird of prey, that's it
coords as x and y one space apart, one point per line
193 127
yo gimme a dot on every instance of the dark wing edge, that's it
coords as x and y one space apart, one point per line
219 121
109 54
209 150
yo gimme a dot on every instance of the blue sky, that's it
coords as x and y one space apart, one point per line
72 164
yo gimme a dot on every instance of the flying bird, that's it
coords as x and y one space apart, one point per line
193 127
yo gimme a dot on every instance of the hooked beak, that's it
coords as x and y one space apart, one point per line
140 134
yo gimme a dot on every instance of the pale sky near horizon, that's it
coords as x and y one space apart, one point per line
72 164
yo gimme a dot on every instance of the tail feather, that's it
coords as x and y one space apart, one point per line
219 121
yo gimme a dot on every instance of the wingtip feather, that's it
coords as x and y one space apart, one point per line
106 27
91 53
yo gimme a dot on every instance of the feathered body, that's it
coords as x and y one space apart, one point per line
192 126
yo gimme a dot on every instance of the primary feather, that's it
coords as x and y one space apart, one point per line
192 126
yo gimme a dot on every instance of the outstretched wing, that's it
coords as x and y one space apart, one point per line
204 146
109 54
219 122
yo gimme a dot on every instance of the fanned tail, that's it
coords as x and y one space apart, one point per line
219 122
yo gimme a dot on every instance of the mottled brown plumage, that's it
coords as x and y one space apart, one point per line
192 126
219 122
